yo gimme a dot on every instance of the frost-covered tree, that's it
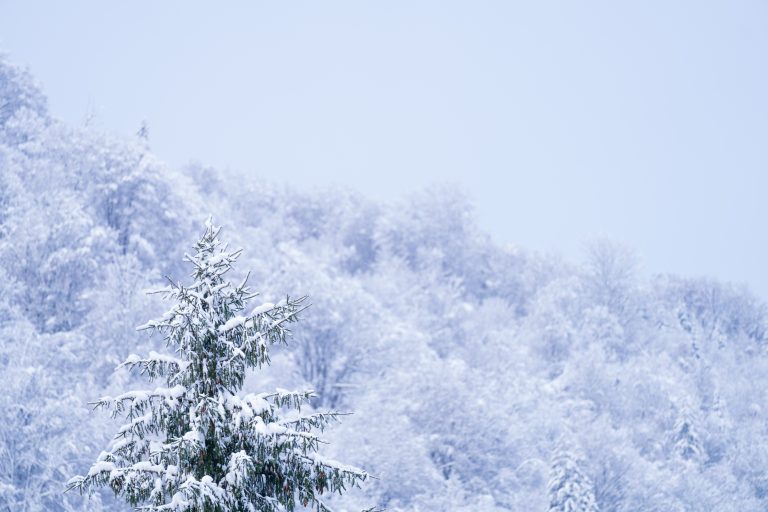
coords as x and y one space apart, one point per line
685 438
39 449
570 489
21 100
197 444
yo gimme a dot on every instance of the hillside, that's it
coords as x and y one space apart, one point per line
476 371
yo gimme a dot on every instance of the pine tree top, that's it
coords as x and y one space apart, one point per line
195 444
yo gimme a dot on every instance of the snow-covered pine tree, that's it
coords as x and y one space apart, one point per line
570 490
195 444
685 438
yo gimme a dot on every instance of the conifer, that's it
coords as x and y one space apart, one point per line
196 443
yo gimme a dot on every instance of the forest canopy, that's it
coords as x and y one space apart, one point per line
482 376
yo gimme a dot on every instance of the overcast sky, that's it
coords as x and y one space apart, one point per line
646 122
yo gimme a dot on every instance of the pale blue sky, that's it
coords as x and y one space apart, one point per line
646 122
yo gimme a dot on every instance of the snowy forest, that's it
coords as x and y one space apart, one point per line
481 377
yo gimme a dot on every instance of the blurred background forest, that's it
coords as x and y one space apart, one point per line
477 372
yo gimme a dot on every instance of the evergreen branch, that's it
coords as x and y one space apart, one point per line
156 365
317 420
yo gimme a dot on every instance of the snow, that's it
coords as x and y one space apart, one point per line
154 357
136 421
132 359
135 396
237 352
170 394
118 444
148 325
257 403
101 466
219 258
165 358
146 466
237 467
194 436
235 321
179 501
216 289
258 337
259 427
167 317
323 461
267 306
